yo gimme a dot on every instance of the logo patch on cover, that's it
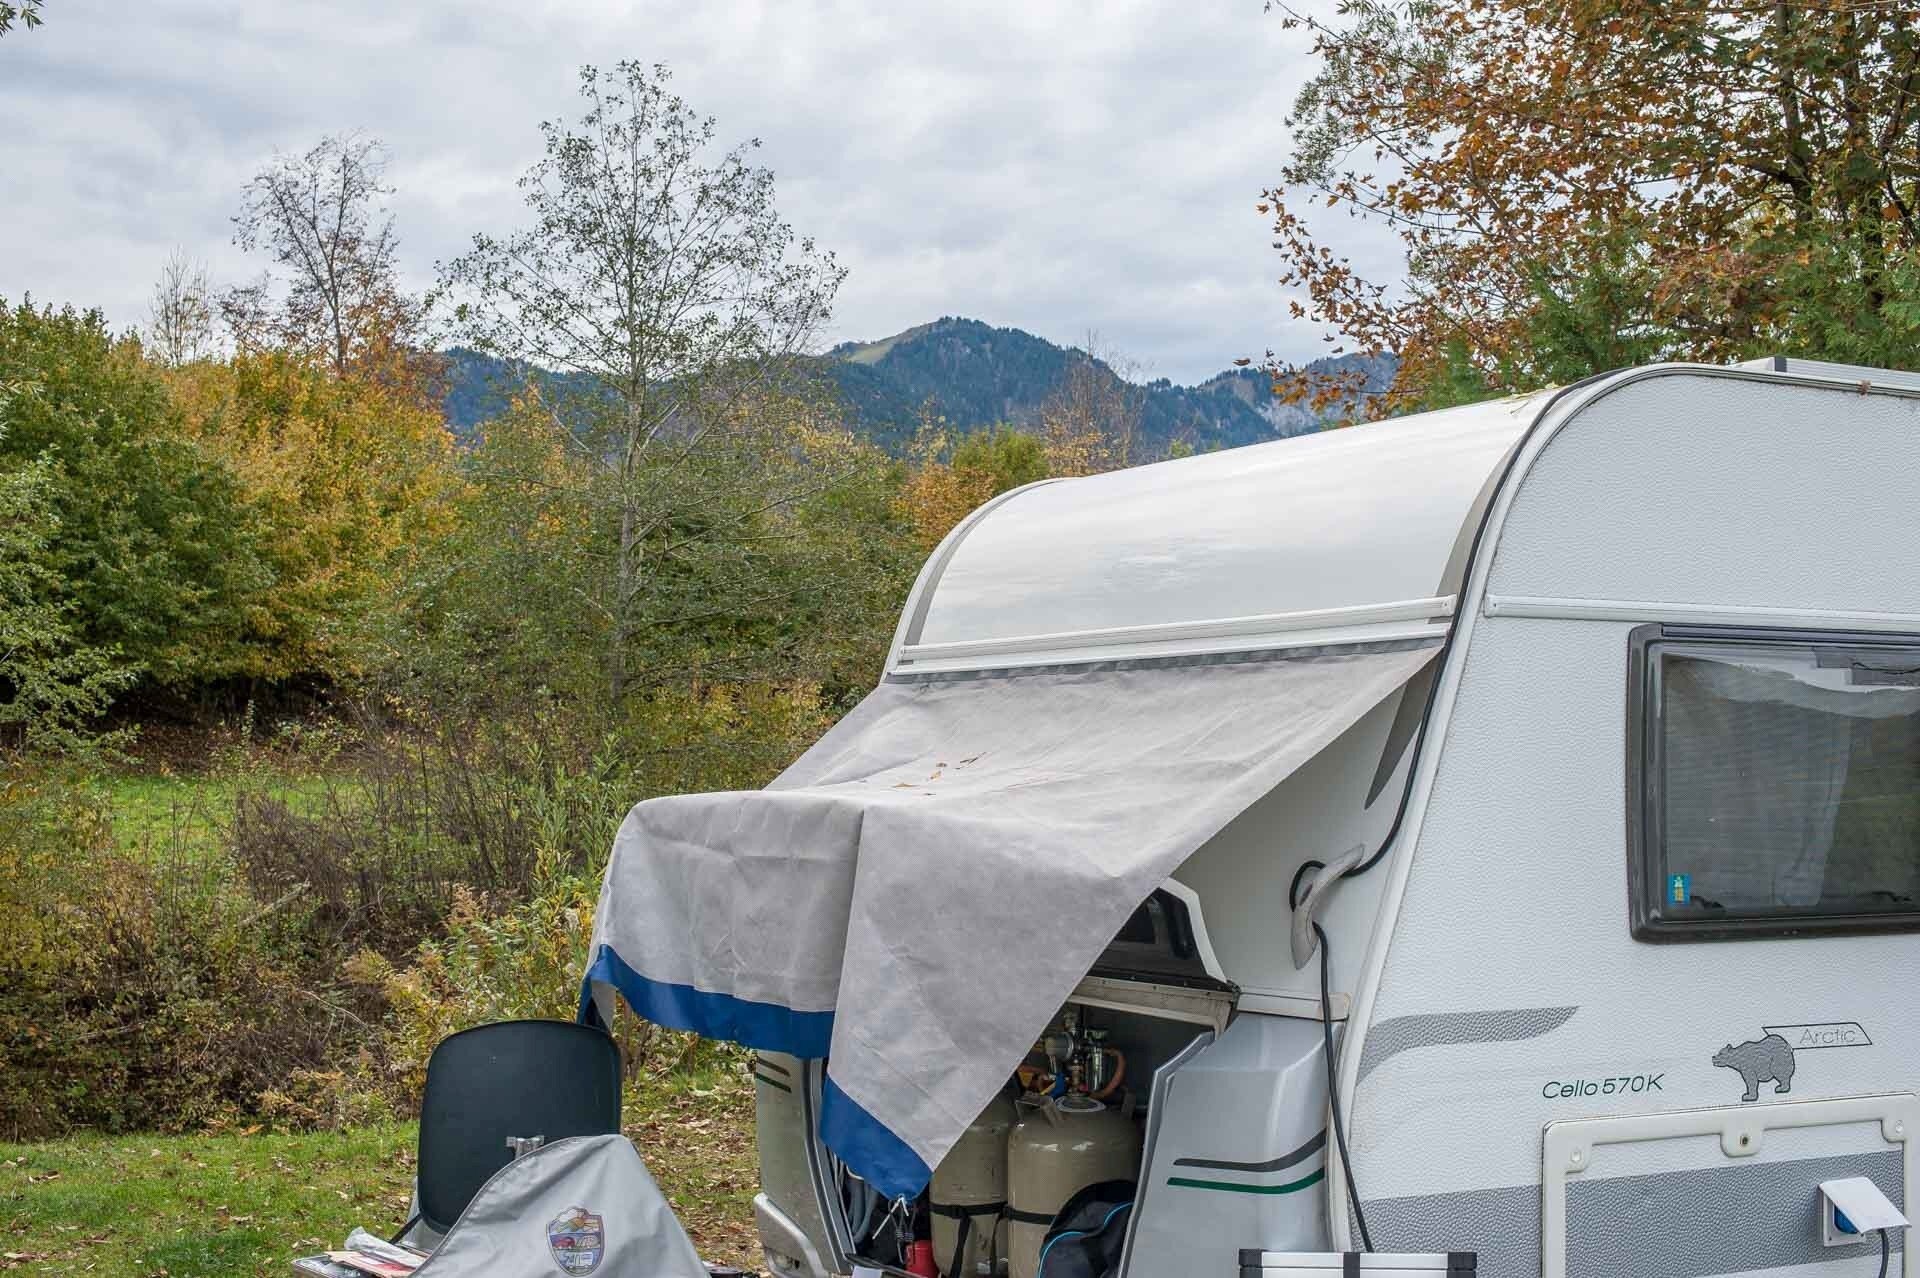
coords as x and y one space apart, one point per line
578 1240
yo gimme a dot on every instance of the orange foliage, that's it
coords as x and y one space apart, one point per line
1514 144
341 478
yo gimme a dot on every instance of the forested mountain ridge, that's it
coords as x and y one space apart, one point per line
975 375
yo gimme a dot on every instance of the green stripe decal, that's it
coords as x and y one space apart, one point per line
1311 1178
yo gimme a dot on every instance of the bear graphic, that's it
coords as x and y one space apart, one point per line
1769 1058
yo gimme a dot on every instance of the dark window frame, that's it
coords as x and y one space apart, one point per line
1646 861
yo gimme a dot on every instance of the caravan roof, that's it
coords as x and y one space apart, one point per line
1311 536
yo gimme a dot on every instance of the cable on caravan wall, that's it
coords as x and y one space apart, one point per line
1446 643
1400 811
1333 1089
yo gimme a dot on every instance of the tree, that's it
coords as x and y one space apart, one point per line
137 538
180 318
764 598
953 477
53 685
1090 420
660 277
340 480
321 217
1706 181
26 13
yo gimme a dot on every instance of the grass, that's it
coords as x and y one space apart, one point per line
219 1206
176 815
180 817
196 1206
695 1130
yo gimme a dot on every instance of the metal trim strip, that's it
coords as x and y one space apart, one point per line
1641 611
1431 609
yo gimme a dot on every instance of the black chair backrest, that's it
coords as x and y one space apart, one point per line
491 1083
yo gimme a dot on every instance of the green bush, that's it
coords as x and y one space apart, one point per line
137 993
526 962
146 542
379 854
53 685
295 956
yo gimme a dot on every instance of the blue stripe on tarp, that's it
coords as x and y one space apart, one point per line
765 1026
861 1141
868 1148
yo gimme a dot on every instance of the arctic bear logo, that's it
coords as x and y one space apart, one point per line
1762 1060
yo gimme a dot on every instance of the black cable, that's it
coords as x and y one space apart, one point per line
1293 888
1333 1089
1884 1251
1419 740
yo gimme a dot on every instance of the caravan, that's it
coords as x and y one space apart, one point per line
1489 838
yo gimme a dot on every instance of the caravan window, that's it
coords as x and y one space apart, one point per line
1777 785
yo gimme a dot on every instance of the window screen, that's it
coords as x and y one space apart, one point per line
1778 787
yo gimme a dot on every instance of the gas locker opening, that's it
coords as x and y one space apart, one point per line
1065 1137
1148 1127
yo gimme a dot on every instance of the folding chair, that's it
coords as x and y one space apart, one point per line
496 1091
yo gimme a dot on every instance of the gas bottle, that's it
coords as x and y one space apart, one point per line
973 1175
1057 1149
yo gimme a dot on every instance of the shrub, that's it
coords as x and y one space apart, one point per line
379 854
52 686
137 993
298 959
526 962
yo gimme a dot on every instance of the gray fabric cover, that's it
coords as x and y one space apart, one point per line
927 884
523 1222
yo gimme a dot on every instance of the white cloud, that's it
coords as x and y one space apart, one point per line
1058 167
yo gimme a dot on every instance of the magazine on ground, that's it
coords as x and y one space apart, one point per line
321 1267
366 1256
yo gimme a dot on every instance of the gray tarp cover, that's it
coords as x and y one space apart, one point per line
917 895
579 1206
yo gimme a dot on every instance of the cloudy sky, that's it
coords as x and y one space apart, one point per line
1061 167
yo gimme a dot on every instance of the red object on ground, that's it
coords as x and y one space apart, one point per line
920 1259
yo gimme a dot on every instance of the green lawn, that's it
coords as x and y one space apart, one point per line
179 817
196 1206
230 1205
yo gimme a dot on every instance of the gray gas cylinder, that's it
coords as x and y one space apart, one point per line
973 1175
1056 1150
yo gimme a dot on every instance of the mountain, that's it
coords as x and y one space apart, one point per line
975 375
480 387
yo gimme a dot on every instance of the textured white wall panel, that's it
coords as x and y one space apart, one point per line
1514 922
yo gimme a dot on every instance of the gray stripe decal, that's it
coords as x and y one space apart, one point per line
1691 1224
1387 1039
1301 1154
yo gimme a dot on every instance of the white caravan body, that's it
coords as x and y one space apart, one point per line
1613 997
